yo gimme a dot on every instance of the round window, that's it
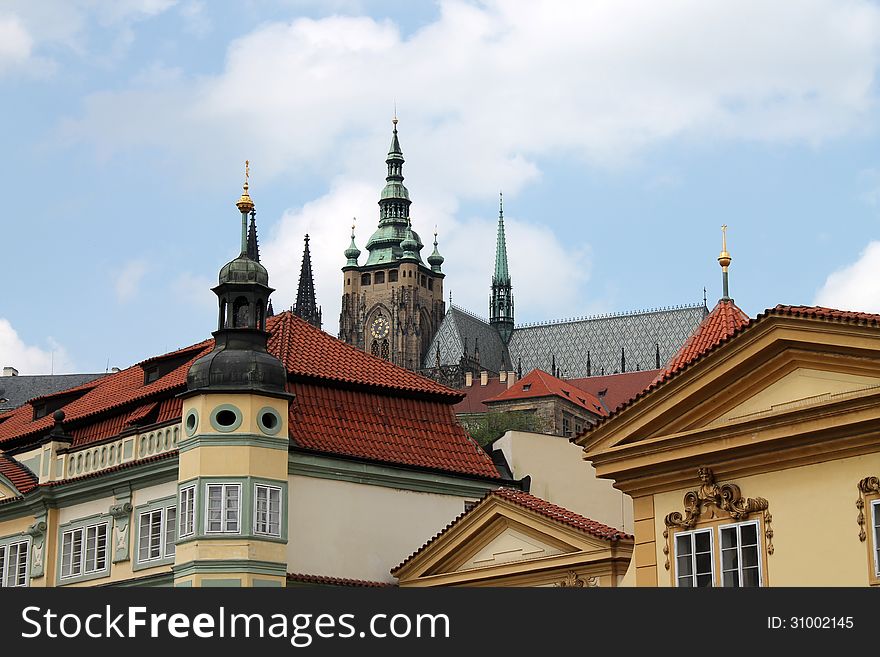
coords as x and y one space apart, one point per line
192 421
226 418
269 420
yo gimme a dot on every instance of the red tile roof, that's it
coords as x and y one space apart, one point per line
819 312
537 505
618 388
390 414
477 393
22 478
539 383
725 319
325 580
385 428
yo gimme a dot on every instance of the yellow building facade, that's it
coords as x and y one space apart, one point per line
756 460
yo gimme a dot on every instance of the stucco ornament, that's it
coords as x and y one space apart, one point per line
867 486
121 519
37 532
713 500
572 580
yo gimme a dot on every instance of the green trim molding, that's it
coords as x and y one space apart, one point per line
190 431
242 439
238 566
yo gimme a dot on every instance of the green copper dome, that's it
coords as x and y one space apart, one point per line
435 259
409 244
352 252
244 270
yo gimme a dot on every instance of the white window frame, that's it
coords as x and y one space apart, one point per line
269 490
739 526
692 534
875 526
83 550
186 512
224 486
164 552
6 563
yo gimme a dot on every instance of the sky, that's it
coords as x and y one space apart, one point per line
623 134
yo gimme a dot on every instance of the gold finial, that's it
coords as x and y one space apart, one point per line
244 203
394 120
724 258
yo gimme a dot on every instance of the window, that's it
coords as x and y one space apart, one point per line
738 558
392 276
187 511
156 534
740 555
14 564
379 277
875 513
693 558
224 509
430 283
365 279
566 426
267 510
84 550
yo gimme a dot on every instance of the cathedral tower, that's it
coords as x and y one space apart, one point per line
306 306
501 300
393 304
232 476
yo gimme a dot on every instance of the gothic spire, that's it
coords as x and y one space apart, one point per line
501 303
253 247
306 306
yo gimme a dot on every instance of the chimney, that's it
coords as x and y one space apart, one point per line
502 376
484 377
511 379
10 371
468 379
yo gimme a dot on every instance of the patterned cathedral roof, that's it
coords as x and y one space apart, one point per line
582 347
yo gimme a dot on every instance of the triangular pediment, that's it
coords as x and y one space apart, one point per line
782 365
497 534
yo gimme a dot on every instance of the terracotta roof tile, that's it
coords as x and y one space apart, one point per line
326 580
618 388
384 428
22 478
539 383
389 414
477 393
539 506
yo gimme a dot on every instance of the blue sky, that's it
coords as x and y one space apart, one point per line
623 134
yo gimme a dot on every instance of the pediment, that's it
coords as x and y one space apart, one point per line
6 489
775 368
495 535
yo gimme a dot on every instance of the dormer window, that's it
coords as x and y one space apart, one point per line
159 367
527 387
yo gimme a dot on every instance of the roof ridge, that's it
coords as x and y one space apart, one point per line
623 313
469 313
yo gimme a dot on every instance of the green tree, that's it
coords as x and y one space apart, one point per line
488 427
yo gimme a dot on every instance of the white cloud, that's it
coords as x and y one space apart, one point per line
31 359
855 287
128 280
15 43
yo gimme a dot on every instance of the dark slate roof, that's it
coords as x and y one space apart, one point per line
16 390
462 330
603 336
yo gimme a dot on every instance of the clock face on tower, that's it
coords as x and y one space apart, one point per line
379 328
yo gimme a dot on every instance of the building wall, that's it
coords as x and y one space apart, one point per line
550 411
359 531
813 510
561 476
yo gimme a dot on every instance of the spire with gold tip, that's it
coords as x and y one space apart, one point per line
724 260
435 259
352 252
245 205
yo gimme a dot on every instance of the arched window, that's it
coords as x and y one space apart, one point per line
241 315
374 348
379 277
392 276
365 279
385 351
222 322
261 315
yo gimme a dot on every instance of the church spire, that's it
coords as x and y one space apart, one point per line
253 247
245 205
501 303
306 305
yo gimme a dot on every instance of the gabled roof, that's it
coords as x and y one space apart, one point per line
460 332
616 389
536 505
477 393
539 383
348 403
23 479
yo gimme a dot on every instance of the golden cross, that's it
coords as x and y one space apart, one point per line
724 237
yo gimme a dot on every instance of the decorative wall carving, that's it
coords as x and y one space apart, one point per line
121 513
867 486
713 499
37 532
573 580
